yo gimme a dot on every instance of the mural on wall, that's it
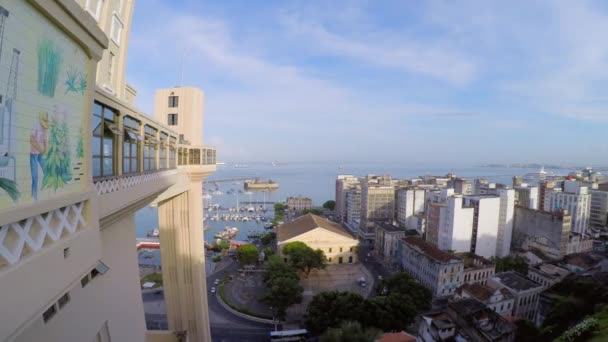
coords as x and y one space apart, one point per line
41 136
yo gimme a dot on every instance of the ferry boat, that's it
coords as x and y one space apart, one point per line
261 185
227 233
153 233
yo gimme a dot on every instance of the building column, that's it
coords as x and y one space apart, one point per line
183 262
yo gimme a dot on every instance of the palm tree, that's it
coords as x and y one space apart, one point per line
10 187
352 332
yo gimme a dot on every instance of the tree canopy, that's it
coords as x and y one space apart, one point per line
279 208
314 211
329 309
331 204
304 258
350 331
268 252
268 237
511 263
247 254
282 286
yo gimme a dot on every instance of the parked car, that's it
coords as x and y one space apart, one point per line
217 281
213 290
362 284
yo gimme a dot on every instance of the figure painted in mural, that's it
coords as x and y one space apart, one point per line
38 145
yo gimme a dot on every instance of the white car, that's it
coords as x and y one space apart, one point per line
213 290
217 281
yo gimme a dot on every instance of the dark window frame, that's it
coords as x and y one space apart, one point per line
104 131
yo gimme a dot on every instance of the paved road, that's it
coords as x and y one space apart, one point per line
225 327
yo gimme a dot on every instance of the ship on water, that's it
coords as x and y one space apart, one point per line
261 185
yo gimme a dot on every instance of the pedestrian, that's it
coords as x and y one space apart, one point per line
38 145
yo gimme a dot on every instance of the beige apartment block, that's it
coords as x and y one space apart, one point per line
77 160
171 107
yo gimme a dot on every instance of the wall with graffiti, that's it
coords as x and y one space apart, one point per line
43 101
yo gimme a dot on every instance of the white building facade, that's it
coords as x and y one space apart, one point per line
484 231
574 198
410 201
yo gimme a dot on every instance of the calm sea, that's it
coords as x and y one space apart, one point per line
313 180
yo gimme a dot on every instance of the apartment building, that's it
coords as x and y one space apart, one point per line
439 271
548 232
547 274
377 204
598 212
449 223
387 240
461 186
88 162
410 201
506 216
544 187
484 233
526 196
343 183
477 269
298 203
353 208
524 290
574 198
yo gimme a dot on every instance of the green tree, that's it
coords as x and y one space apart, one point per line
268 252
247 254
314 211
224 245
268 237
350 331
279 208
403 283
527 331
282 286
80 146
329 309
57 165
304 258
511 263
329 205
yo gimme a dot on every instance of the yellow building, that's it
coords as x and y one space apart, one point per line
77 160
318 233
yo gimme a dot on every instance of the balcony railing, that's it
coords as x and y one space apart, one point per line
19 239
123 182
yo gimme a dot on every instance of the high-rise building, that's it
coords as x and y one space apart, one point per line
68 264
343 183
353 208
544 187
598 213
526 196
449 223
547 232
484 233
462 186
505 222
377 204
410 201
574 198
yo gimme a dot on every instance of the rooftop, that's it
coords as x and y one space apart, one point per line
430 250
396 337
473 261
550 270
482 292
306 223
516 281
389 227
584 260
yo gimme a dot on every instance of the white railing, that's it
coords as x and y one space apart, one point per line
37 232
108 185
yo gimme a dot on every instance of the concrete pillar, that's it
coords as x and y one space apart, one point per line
183 262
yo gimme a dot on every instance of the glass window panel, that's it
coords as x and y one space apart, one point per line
126 165
108 167
96 122
108 144
96 146
97 109
133 150
96 166
108 114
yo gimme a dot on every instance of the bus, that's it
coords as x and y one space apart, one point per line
288 335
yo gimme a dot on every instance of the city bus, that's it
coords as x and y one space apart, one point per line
288 335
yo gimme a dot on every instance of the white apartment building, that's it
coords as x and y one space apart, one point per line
439 271
410 201
527 196
505 222
452 228
574 198
499 300
343 183
598 213
353 208
377 204
486 210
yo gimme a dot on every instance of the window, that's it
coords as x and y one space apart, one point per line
130 146
94 273
101 268
84 281
116 30
339 260
350 259
66 252
351 249
172 142
340 249
63 300
162 152
49 313
104 138
195 156
173 101
329 260
150 148
94 8
329 249
172 119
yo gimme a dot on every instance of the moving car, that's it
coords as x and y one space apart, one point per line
213 290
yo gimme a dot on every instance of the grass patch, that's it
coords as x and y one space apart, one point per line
220 290
600 334
156 278
217 258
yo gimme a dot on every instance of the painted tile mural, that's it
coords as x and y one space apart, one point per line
43 100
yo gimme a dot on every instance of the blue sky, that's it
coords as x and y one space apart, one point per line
411 81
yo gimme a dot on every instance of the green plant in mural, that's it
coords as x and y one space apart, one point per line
80 146
11 188
57 160
49 62
71 80
83 83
